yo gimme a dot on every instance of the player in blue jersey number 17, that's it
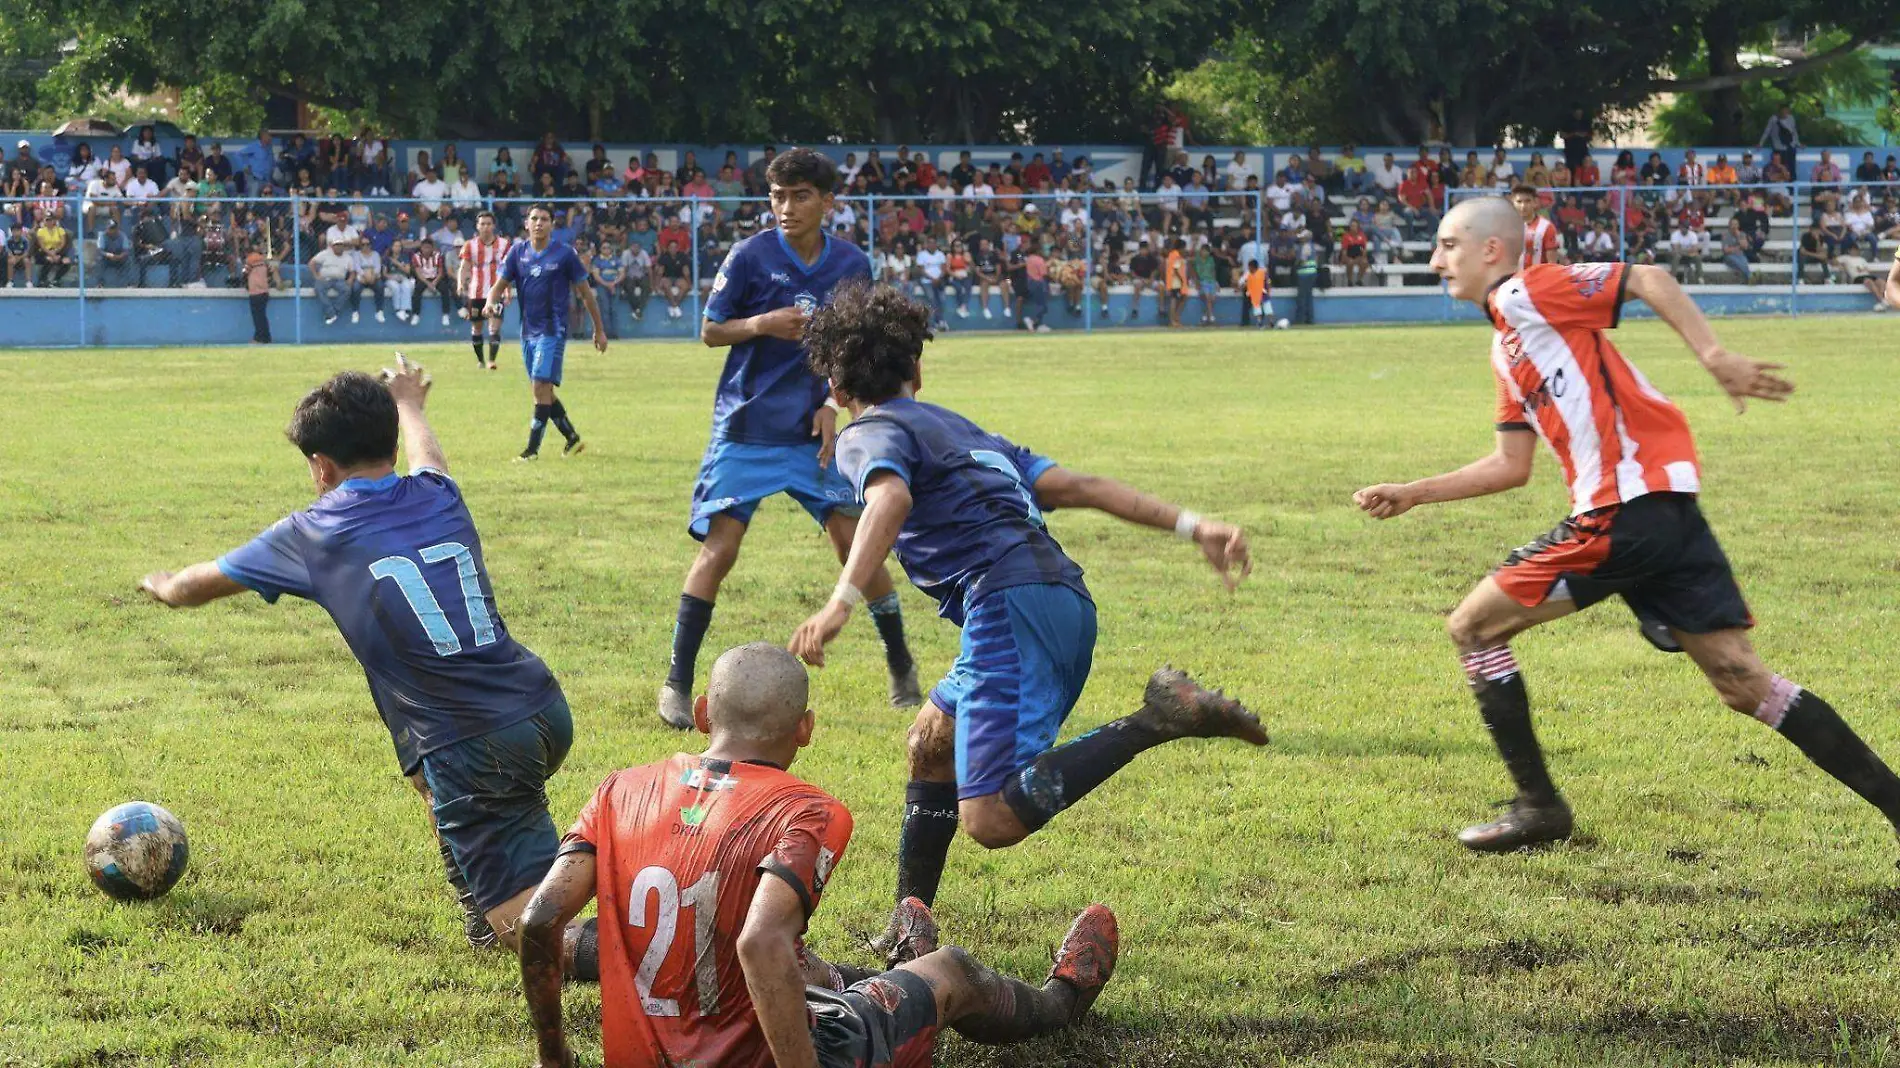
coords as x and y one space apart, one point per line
964 510
479 722
772 431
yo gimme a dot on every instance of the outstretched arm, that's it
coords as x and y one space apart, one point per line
1508 467
1740 377
195 585
568 888
768 954
1224 545
409 385
886 506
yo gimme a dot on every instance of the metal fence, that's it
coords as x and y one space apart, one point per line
1083 260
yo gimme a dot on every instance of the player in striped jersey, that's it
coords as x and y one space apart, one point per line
475 276
1634 528
1542 243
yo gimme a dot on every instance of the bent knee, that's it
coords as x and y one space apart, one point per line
992 826
1470 632
1741 685
930 745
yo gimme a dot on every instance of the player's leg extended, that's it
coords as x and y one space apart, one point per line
557 413
986 1006
1031 648
1482 627
717 555
881 597
474 924
543 410
1746 685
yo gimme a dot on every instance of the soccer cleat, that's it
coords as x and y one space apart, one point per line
1185 709
1526 824
905 693
574 448
1086 957
526 455
676 708
911 934
491 365
475 926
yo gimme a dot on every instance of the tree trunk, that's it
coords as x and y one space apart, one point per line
1724 105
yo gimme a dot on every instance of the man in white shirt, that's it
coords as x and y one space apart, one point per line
342 233
1599 245
930 267
848 170
450 239
1279 194
1685 248
1075 217
979 190
1386 175
466 197
101 193
1237 173
942 196
141 188
842 214
333 265
429 193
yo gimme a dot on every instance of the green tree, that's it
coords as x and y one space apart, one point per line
1693 118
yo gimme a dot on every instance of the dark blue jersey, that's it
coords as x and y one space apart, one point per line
541 280
975 525
767 396
398 565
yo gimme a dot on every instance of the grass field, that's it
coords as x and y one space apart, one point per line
1724 903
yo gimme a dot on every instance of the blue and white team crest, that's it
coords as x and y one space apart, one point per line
806 303
535 271
137 851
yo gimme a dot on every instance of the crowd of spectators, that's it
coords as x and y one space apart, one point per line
1004 236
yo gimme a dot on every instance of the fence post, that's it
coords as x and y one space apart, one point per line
1088 262
1794 224
694 253
79 251
1444 310
870 232
296 269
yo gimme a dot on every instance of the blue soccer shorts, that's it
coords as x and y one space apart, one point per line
491 802
1026 654
543 357
734 477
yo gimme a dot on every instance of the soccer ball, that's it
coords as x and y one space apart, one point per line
1280 324
136 851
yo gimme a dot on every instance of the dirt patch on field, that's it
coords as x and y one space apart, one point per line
1488 958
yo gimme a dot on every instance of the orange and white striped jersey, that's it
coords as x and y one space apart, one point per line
1616 435
484 263
1540 242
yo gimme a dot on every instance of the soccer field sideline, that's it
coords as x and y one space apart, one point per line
1714 911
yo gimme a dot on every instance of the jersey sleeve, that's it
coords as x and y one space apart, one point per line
729 284
809 848
508 272
868 446
571 266
1586 295
1510 414
271 564
1032 465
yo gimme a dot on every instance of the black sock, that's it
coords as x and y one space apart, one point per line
559 413
889 617
923 841
1062 776
1819 732
476 343
1505 706
494 346
537 428
688 631
458 881
585 965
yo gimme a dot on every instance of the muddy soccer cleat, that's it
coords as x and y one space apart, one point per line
1526 824
1086 957
904 690
1186 709
912 933
676 708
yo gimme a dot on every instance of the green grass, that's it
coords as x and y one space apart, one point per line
1724 903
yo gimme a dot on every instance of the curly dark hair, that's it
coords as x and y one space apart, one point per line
867 340
803 166
351 419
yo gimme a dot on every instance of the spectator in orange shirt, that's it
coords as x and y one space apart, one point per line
1009 195
1175 280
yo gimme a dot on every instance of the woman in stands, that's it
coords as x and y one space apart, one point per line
84 168
146 153
1623 171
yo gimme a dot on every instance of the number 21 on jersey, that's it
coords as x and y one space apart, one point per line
664 921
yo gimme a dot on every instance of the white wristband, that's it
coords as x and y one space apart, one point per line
1185 524
849 594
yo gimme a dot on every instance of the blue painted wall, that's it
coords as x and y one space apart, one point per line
51 320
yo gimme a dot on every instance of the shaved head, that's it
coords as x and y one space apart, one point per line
1476 221
757 693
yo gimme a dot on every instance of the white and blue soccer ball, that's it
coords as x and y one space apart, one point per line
137 851
1281 324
